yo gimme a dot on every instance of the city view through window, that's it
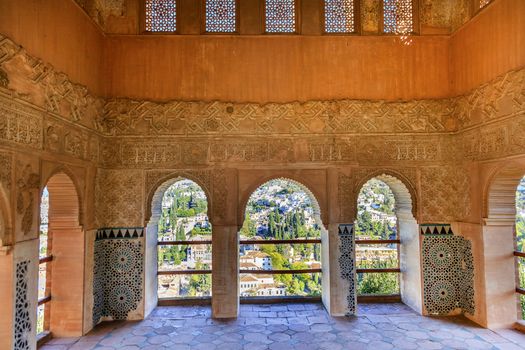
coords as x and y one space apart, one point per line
184 235
520 240
280 242
280 210
376 221
43 253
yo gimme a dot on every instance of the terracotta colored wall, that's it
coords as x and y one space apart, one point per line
58 32
491 44
275 68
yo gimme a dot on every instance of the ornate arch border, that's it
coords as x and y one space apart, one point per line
499 192
398 180
156 190
64 169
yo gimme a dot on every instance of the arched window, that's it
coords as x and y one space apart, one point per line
184 243
44 267
339 16
280 242
377 241
61 260
160 15
280 16
221 16
398 16
520 246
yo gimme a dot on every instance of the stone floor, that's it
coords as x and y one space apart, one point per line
292 326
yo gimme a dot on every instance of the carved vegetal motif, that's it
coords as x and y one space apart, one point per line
26 185
445 193
23 308
118 272
6 170
448 271
347 264
220 193
119 197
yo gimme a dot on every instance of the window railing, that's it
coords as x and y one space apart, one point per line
519 255
180 299
47 293
378 270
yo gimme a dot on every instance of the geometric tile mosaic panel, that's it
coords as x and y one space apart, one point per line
221 16
347 264
280 16
23 308
118 273
448 272
339 16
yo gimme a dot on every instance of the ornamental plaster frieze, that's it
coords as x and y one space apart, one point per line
129 117
30 79
182 151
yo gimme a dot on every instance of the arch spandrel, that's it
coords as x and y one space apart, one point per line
319 210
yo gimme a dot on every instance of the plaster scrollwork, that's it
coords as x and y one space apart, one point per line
27 183
119 197
37 82
20 124
445 193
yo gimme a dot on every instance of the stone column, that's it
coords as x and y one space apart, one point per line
336 289
225 277
499 273
150 267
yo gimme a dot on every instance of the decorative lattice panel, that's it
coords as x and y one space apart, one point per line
220 16
397 16
347 264
23 308
448 271
161 15
280 16
118 272
339 16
